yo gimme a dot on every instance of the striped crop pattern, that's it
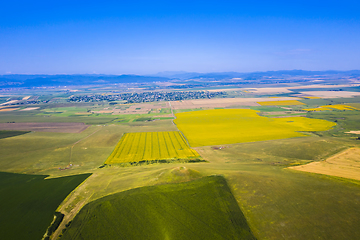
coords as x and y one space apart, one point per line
149 146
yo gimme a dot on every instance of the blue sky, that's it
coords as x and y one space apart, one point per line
144 37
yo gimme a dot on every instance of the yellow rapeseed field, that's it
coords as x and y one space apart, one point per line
331 108
227 126
281 103
147 146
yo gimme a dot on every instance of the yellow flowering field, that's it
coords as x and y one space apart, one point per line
148 146
331 108
227 126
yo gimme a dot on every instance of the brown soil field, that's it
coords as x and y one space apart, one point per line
103 111
324 86
8 109
268 90
354 132
225 89
29 108
345 164
45 127
10 102
224 102
331 94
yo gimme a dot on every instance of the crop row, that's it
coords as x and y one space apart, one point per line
147 146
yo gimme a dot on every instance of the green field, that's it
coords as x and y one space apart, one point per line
150 146
345 120
28 203
201 209
228 126
6 134
77 113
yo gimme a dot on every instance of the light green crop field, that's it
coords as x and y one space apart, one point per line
148 146
201 209
228 126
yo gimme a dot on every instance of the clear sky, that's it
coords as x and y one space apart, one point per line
142 37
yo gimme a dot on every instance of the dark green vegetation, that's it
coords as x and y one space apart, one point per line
28 203
201 209
58 219
6 134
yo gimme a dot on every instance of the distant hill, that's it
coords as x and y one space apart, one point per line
23 80
19 80
252 75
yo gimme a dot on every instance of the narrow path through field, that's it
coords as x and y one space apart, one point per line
71 199
172 113
171 110
72 146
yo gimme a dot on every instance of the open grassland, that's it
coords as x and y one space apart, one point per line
281 103
227 126
201 209
331 108
149 146
28 203
284 204
345 164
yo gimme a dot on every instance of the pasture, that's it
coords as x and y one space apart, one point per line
228 126
200 209
150 146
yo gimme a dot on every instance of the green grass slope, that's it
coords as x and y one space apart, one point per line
200 209
28 203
